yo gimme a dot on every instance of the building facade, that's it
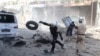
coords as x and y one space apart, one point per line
49 10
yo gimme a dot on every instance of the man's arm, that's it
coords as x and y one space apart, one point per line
44 23
73 25
60 35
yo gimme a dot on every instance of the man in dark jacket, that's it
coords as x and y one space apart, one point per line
70 29
54 33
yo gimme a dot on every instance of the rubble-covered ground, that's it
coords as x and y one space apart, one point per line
91 45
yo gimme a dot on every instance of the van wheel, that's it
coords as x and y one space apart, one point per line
32 25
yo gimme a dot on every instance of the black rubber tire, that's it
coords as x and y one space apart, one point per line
33 23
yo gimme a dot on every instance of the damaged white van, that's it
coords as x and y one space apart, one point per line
8 24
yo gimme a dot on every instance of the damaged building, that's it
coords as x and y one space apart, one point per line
55 10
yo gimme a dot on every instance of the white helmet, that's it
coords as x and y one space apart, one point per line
81 18
54 23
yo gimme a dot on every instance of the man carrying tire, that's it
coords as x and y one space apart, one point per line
54 33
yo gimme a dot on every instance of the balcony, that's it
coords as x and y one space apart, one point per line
78 3
64 2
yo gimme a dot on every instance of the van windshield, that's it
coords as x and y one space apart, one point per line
6 18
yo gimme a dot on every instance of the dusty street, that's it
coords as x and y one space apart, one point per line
91 45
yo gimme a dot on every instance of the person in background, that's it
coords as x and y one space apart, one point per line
54 33
80 36
70 30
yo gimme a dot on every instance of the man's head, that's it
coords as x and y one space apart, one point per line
81 19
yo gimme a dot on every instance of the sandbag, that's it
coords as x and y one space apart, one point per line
29 23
